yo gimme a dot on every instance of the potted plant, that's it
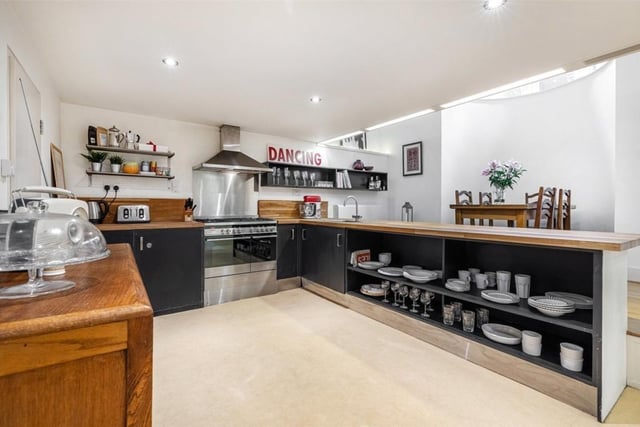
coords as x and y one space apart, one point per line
96 158
116 163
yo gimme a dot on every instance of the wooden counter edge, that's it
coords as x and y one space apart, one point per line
150 225
571 239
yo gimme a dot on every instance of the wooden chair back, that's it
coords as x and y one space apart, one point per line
464 197
545 206
563 211
485 198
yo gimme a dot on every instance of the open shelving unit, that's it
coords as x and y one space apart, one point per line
359 178
91 173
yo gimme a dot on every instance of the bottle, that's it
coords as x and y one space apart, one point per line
378 184
372 184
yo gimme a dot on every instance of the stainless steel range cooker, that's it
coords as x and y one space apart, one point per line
239 258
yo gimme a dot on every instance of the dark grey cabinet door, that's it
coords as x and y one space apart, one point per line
288 247
323 256
170 263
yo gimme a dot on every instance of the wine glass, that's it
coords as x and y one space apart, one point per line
404 291
394 289
385 286
425 298
414 295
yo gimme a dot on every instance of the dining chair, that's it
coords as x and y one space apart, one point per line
545 205
485 198
563 211
464 197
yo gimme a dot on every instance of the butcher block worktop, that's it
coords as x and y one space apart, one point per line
82 356
575 239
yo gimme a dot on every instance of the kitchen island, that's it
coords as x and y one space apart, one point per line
587 263
81 357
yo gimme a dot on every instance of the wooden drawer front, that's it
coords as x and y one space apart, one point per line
85 392
24 354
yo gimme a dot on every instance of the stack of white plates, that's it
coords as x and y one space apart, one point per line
420 276
552 306
371 265
411 267
390 271
457 285
580 301
502 333
500 297
372 290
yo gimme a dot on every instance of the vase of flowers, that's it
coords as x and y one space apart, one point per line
502 175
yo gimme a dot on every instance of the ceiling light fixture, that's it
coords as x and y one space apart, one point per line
502 88
338 138
170 62
494 4
400 119
315 99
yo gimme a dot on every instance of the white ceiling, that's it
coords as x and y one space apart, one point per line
256 64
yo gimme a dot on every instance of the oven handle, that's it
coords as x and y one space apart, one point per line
270 236
215 239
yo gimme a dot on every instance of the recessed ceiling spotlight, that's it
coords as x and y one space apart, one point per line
315 99
494 4
170 62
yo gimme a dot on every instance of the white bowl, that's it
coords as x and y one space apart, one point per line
571 351
574 365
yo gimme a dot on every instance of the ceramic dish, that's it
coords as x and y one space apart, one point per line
371 265
500 297
372 290
550 302
390 271
502 333
411 267
581 301
457 285
420 278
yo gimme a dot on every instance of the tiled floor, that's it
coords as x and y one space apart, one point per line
295 359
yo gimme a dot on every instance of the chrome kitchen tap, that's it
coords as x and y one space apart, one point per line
356 217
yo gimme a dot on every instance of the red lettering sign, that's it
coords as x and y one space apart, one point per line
294 156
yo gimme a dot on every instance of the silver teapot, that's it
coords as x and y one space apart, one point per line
116 138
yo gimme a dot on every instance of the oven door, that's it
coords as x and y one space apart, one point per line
263 251
227 255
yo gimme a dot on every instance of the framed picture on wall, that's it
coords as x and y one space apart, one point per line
57 167
412 159
101 136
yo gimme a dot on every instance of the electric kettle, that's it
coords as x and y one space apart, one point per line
98 210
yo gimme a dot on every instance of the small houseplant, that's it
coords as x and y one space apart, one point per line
116 163
96 158
502 175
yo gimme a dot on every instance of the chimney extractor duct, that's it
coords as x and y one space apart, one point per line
230 159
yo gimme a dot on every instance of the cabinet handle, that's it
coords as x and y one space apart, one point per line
149 245
141 243
304 234
338 238
293 234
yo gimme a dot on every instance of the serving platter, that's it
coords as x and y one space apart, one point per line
500 297
420 276
372 290
390 271
581 301
502 333
371 265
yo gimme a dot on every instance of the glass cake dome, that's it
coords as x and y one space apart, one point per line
35 240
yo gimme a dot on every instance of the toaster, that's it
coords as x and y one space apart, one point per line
133 213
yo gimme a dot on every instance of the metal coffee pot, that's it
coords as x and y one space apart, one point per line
116 138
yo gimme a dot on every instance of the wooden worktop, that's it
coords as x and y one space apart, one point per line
106 291
575 239
150 225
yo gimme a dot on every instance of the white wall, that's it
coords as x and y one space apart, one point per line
627 176
12 37
564 137
422 191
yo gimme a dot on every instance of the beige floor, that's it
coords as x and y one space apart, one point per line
295 359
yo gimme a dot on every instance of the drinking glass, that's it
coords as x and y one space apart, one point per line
394 289
457 311
425 298
447 314
482 316
385 285
468 320
414 295
404 291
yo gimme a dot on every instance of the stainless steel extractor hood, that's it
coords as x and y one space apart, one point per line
230 159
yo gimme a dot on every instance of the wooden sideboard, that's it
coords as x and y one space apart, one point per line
82 357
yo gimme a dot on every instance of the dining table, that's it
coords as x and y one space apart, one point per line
515 214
